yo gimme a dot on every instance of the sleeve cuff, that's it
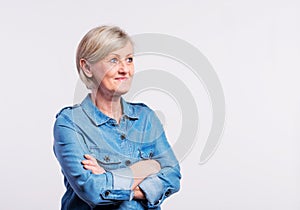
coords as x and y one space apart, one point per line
122 180
153 189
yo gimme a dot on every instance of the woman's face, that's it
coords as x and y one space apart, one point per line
114 73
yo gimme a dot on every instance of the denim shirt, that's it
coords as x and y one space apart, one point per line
84 129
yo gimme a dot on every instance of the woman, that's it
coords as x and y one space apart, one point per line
113 154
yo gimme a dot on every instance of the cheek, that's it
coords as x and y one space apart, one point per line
98 71
104 74
131 71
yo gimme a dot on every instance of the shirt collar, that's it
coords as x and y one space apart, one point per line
98 117
128 110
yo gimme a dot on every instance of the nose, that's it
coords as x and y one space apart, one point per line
123 67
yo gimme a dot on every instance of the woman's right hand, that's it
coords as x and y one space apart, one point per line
91 164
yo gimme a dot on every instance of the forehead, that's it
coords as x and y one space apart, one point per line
125 51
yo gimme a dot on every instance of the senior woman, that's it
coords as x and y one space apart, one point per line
113 154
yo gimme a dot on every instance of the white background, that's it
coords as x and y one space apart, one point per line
254 47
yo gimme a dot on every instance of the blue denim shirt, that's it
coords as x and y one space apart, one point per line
84 129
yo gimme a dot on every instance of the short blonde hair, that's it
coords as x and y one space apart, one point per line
96 45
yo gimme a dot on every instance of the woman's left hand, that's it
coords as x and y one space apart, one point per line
138 194
91 164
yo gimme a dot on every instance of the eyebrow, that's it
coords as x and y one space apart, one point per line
119 55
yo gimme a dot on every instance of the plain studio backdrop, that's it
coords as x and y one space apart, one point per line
253 46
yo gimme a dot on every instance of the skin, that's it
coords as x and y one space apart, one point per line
114 80
113 75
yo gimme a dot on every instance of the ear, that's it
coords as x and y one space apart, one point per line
86 68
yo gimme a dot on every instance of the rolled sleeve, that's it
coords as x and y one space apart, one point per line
153 189
122 182
123 178
120 195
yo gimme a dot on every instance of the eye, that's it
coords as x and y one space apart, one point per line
129 60
114 60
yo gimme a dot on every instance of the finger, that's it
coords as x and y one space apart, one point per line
89 167
94 170
89 157
88 162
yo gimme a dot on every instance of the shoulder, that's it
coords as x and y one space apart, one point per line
140 108
66 117
138 105
144 113
67 110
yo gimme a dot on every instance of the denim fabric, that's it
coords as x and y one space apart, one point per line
83 129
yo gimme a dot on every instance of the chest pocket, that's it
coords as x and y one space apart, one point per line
107 159
147 151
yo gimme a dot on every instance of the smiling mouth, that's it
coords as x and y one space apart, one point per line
121 78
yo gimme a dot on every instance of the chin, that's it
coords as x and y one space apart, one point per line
121 91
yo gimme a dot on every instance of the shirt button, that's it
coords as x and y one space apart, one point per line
107 192
123 136
106 158
127 162
167 193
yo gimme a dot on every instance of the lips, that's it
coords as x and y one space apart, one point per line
121 78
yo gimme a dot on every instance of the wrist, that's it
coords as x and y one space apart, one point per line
138 194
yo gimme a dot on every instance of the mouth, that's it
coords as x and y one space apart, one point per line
121 78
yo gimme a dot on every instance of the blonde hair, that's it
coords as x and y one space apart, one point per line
96 45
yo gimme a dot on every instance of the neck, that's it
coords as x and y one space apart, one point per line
108 104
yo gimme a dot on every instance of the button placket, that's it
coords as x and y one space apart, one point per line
121 128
